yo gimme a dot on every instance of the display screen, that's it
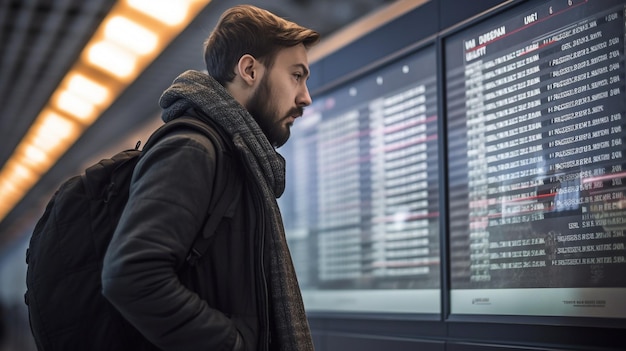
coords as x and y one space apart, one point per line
536 112
361 209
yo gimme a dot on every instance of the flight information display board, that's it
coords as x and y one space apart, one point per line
361 208
536 106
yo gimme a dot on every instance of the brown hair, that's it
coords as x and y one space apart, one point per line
246 29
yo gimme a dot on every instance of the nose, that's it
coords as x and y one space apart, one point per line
303 98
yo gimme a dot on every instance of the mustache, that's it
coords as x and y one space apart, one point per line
296 111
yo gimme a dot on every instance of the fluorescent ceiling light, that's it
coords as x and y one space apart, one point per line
112 59
130 35
52 131
167 11
88 89
75 105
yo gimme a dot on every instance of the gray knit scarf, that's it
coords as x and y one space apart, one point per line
197 90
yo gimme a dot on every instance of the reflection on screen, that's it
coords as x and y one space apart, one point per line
361 208
536 118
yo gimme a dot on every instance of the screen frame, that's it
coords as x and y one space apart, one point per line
504 9
422 47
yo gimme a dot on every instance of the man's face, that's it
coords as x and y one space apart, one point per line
281 94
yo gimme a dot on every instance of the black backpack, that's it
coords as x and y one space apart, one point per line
66 308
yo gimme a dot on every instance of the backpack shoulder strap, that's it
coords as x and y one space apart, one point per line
226 189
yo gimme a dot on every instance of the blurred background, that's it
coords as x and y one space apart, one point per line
79 79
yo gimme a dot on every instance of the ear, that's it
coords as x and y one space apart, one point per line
247 69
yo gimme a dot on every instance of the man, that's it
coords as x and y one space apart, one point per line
243 294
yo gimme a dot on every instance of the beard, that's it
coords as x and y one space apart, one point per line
261 107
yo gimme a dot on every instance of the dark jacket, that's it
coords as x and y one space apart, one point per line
214 306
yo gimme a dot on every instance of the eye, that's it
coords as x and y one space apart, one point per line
297 76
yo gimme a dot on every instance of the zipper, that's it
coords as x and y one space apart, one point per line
264 310
257 196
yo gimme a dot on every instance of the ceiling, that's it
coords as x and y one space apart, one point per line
41 39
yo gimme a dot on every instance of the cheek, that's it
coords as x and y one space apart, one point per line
281 95
287 96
